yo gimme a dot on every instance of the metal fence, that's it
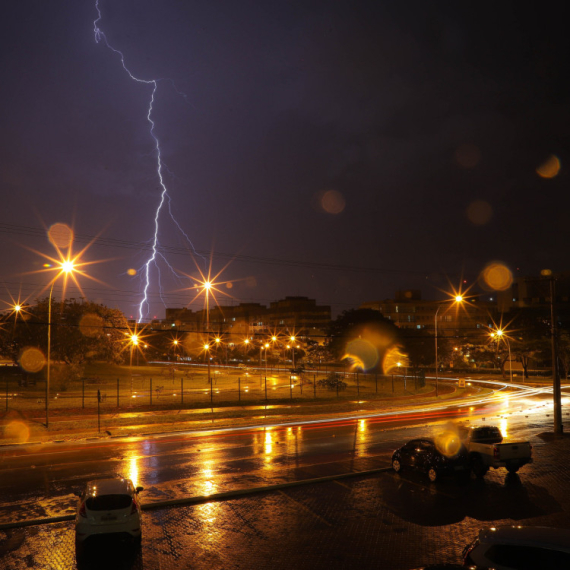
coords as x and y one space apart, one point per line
193 389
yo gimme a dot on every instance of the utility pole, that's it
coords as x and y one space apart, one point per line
555 372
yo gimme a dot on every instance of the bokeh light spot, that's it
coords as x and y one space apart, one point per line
32 360
60 235
333 202
392 357
468 155
448 443
131 271
497 276
549 168
91 325
362 353
229 285
17 430
479 212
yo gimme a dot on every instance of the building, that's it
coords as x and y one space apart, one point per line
293 315
409 311
535 292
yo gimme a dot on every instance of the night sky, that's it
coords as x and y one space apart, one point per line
336 150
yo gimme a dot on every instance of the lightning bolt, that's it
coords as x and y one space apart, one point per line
160 166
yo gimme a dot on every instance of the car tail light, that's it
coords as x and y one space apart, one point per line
134 508
82 511
496 452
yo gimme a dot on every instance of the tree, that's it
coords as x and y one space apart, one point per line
531 338
80 332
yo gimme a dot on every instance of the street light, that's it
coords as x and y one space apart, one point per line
133 341
207 352
500 334
456 299
292 339
67 267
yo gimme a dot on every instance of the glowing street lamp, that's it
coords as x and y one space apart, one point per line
500 335
292 339
456 299
66 268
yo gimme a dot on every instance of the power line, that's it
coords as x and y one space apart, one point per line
172 250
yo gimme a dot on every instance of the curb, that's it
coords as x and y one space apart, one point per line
208 498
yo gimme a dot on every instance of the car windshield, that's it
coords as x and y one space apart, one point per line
109 502
487 435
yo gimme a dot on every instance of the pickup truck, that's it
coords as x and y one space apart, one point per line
486 449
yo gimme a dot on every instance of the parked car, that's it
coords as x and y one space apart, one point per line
108 507
486 449
519 548
434 457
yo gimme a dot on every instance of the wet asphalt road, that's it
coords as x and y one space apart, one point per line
309 525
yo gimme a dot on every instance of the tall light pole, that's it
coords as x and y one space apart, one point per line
66 268
207 286
556 388
292 339
456 299
134 341
501 335
261 347
207 351
66 265
48 355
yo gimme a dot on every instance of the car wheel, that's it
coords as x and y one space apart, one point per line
432 474
396 465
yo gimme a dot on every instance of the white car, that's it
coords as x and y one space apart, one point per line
520 548
108 507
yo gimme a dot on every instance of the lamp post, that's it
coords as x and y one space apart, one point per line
501 335
175 345
292 339
207 352
134 342
261 347
48 355
218 340
67 267
456 299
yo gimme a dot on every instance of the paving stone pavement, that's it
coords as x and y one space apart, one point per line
389 521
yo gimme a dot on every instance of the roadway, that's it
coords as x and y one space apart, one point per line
37 481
